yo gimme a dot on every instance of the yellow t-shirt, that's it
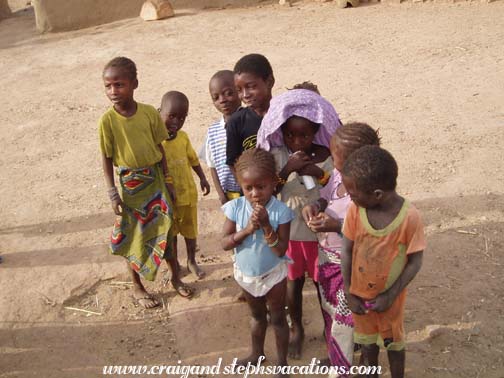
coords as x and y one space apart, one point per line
132 141
180 158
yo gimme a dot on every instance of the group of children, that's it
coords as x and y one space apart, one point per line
337 219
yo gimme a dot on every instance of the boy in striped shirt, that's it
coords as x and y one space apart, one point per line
226 101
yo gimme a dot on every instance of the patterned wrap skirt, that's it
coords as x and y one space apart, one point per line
142 234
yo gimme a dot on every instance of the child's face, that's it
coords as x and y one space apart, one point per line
337 154
361 198
119 87
257 186
224 95
298 134
254 91
173 114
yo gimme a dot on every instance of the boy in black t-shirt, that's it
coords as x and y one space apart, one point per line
253 77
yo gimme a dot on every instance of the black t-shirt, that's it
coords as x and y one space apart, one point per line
241 132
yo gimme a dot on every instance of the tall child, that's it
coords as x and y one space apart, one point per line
297 129
325 217
182 160
130 139
257 228
382 252
254 80
225 99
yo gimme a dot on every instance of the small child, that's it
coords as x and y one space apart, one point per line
180 158
382 252
254 80
257 228
130 139
225 99
297 129
325 217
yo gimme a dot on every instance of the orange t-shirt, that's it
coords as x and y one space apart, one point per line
379 256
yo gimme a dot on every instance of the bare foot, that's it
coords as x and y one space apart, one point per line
252 359
296 340
185 291
195 269
144 299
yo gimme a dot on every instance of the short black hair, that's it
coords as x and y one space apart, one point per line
255 64
354 135
256 158
372 168
308 85
223 75
174 95
125 64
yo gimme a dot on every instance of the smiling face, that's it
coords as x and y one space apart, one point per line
119 87
258 186
173 113
298 134
254 91
224 95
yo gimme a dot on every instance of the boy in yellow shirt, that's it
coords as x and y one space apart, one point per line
180 159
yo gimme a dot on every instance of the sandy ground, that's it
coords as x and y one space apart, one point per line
429 75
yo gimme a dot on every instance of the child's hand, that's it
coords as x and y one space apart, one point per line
171 192
117 206
205 186
324 223
261 215
297 161
356 304
311 169
252 225
310 211
381 303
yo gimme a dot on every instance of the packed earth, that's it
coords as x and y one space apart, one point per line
429 75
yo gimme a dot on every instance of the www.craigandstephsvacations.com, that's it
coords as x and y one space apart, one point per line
314 368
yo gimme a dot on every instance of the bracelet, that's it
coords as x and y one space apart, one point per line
281 181
275 243
113 193
270 234
324 179
168 179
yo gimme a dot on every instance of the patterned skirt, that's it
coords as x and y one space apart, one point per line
142 233
337 316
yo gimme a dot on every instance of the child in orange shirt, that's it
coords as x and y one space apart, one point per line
383 246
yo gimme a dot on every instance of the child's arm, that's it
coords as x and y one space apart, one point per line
169 185
355 303
205 186
215 178
108 171
383 301
276 240
231 238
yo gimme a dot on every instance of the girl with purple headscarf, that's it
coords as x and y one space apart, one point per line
297 130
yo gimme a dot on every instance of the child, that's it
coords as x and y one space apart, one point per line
257 228
325 218
180 158
382 252
298 128
254 80
225 99
130 139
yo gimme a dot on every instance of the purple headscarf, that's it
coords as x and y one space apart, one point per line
302 103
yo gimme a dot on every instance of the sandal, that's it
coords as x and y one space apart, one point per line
185 291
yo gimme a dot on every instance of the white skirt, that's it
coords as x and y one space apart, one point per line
259 286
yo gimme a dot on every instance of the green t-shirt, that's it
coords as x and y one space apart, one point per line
132 141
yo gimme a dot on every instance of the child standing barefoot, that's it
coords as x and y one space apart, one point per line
298 128
257 228
130 139
180 158
382 252
226 101
325 217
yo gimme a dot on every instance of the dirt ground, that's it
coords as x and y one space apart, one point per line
429 75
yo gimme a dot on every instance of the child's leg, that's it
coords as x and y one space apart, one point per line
369 357
192 266
258 325
276 300
396 360
295 303
139 292
171 259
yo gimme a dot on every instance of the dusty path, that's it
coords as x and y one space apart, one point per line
430 76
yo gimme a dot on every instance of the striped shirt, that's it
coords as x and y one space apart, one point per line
216 156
